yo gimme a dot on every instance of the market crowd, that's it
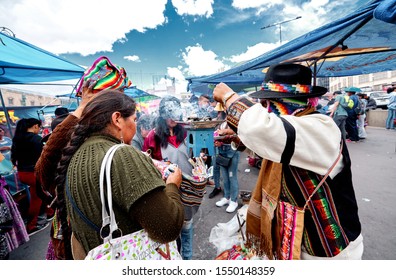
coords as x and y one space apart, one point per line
283 123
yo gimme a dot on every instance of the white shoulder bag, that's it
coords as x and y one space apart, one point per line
133 246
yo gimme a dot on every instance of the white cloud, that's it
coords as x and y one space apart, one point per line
194 7
246 4
201 62
176 72
180 82
253 52
313 15
133 58
85 27
232 17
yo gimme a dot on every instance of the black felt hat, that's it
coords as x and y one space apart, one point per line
288 81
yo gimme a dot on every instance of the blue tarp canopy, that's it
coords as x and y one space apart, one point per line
134 92
23 63
139 95
362 42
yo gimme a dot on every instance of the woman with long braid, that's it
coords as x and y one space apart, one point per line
140 197
102 75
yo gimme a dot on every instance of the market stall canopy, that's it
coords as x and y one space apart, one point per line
140 95
362 42
23 63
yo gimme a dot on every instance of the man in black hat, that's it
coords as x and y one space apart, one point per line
299 148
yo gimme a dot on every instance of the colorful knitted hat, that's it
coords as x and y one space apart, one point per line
288 81
106 74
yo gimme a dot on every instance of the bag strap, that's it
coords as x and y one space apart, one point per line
324 177
78 211
108 218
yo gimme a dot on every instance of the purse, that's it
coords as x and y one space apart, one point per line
289 224
226 161
134 246
223 161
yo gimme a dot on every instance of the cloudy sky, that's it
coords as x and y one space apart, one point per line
154 39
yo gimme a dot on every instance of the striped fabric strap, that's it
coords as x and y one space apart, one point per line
286 88
325 176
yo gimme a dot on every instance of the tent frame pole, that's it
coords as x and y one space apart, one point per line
6 114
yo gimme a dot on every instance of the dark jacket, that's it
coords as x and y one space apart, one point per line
25 151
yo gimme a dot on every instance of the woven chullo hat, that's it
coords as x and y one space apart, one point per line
106 74
288 81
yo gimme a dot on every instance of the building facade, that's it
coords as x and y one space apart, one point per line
368 82
18 98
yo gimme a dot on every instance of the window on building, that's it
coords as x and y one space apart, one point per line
380 76
32 103
364 78
10 101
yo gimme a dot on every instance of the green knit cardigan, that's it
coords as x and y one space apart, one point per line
140 197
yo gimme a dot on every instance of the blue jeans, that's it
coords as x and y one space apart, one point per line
389 120
230 173
186 236
216 169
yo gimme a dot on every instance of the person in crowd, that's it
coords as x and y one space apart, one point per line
193 100
89 86
362 116
167 142
25 151
298 148
371 103
326 103
205 108
143 126
141 199
216 168
60 114
339 113
390 120
5 144
229 172
61 111
351 121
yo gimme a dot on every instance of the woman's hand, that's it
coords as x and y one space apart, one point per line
175 177
86 96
